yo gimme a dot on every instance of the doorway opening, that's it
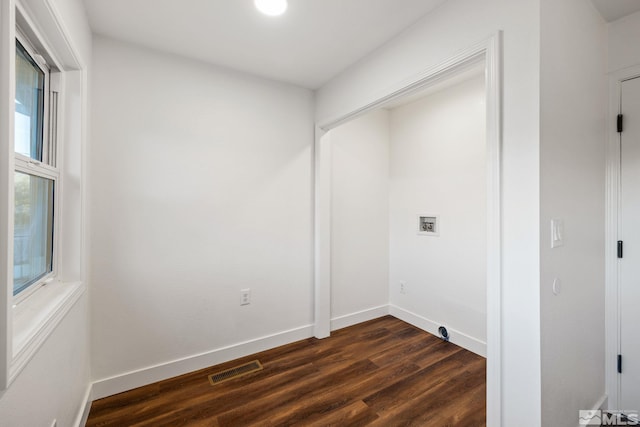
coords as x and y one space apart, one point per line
408 214
488 55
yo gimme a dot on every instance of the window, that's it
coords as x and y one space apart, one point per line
35 174
44 226
29 119
33 230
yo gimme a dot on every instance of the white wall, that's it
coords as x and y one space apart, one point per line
54 383
438 166
452 27
71 263
623 50
204 184
360 216
572 181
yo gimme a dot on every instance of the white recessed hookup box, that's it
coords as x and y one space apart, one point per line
429 225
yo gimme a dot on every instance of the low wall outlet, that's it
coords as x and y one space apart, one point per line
403 287
245 296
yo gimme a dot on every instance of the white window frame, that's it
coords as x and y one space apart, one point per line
42 64
28 323
42 169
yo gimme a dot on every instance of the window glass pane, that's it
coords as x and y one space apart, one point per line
29 124
33 230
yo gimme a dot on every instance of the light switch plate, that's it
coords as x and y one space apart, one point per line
557 233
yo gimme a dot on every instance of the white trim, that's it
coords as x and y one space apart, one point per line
359 317
84 108
600 404
35 319
322 234
27 26
46 19
431 326
493 89
491 50
612 218
422 80
148 375
7 160
85 408
34 167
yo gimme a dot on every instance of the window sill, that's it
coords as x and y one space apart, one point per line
36 317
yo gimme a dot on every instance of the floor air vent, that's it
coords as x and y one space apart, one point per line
237 372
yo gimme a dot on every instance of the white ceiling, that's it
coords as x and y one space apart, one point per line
311 43
616 9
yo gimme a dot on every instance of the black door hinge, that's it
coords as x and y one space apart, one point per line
620 248
619 363
619 123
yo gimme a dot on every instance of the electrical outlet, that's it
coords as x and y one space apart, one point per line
245 296
403 287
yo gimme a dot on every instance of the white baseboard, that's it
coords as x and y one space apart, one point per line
601 404
359 317
138 378
83 412
456 337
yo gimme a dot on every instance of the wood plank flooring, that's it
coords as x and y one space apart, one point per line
379 373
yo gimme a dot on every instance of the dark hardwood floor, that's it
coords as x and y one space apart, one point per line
379 373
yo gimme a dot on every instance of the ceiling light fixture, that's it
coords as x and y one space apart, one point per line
271 7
